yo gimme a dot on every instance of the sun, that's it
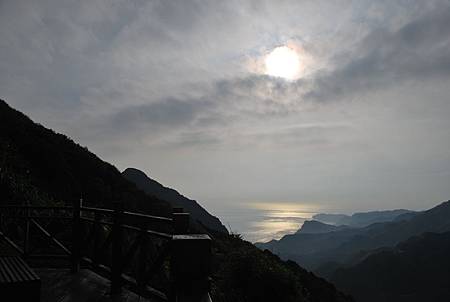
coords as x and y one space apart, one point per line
283 62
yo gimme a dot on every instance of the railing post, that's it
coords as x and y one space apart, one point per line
190 267
180 222
142 262
76 235
97 236
26 240
117 242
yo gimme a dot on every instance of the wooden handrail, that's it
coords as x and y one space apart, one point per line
31 207
149 217
36 216
97 210
131 264
149 232
93 221
11 243
49 236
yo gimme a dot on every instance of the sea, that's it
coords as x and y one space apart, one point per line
264 221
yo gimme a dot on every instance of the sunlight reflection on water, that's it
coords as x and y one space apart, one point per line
265 221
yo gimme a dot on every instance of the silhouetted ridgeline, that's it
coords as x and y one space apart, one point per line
360 219
43 167
317 227
199 215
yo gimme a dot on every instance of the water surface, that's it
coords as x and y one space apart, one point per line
261 222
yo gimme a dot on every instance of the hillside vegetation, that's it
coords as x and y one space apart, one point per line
417 269
40 166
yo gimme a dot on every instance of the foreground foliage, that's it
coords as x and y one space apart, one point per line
245 273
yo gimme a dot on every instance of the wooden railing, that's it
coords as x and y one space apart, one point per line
151 255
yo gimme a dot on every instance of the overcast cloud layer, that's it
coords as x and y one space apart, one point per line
174 88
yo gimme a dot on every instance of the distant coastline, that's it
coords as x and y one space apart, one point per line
260 224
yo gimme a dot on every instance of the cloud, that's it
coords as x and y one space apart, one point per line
417 51
155 122
168 112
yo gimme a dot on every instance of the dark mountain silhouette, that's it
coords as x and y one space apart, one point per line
47 168
175 199
314 250
360 219
41 166
415 270
334 219
406 216
317 227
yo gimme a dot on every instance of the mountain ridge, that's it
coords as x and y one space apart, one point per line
312 250
317 227
361 219
174 198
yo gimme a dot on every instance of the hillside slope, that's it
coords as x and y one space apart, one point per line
41 166
245 273
415 270
175 199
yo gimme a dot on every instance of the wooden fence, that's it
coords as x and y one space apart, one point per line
154 256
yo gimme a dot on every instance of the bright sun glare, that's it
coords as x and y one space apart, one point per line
283 62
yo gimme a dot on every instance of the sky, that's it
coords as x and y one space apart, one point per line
180 90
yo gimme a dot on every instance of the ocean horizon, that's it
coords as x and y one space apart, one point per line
262 222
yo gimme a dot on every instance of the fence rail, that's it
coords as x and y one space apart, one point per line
153 256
